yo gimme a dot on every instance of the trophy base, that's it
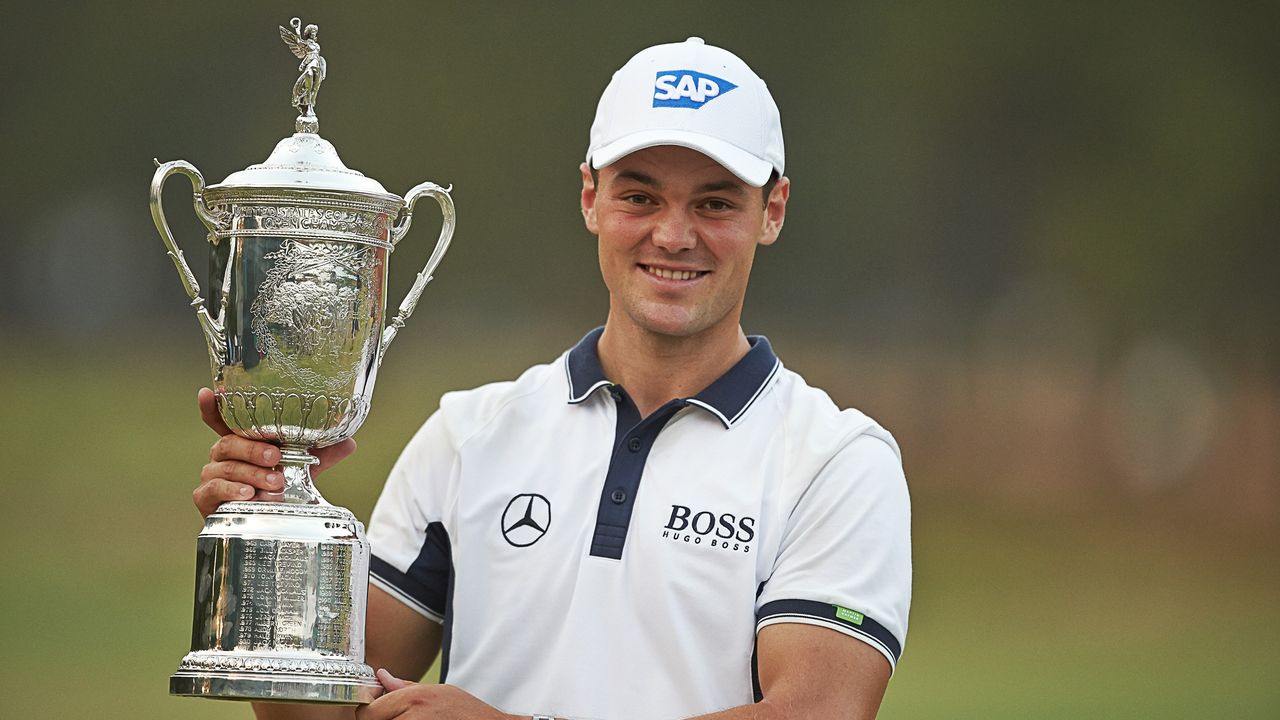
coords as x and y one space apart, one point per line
273 687
279 607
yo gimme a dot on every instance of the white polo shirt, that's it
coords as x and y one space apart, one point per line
587 563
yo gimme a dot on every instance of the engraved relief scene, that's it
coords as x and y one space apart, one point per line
315 311
304 327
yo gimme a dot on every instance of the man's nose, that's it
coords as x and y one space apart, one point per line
674 231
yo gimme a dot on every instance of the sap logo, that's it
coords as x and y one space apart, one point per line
687 88
724 531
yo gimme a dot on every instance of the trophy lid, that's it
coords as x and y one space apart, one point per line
304 161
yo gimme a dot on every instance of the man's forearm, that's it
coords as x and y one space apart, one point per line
282 711
766 710
763 710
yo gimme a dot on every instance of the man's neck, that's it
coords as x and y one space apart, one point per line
656 369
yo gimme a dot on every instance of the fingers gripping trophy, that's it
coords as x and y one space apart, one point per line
294 324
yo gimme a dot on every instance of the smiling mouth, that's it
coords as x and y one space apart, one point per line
666 274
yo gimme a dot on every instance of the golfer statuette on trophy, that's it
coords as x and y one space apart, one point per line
294 325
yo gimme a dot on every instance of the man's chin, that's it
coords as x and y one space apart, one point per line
671 324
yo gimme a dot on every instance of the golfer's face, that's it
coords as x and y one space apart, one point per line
677 236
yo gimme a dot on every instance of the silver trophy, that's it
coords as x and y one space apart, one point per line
294 325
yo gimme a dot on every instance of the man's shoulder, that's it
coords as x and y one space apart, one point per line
832 452
466 411
817 423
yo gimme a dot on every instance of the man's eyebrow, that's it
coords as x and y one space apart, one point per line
719 186
734 188
639 177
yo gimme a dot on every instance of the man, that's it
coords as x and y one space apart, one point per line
664 522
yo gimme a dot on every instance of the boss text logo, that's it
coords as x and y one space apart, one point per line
725 530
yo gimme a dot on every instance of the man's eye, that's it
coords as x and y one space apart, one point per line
637 199
717 205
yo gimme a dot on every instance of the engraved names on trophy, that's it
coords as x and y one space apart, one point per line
333 612
258 583
290 606
278 579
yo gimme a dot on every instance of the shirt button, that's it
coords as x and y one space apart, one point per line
619 496
615 393
634 444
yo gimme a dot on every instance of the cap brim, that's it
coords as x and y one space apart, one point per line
751 169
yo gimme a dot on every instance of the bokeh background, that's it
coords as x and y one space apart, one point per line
1036 240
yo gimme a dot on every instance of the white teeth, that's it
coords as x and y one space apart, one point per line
672 274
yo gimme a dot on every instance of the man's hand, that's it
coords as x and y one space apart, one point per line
243 469
407 700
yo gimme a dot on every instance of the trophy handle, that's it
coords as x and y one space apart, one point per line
441 196
214 335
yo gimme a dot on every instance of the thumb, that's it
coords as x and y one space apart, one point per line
391 682
209 411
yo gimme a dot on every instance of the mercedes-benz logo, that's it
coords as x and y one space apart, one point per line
526 519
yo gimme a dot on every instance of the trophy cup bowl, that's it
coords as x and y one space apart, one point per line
294 325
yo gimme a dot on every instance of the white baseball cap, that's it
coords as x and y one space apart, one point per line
694 95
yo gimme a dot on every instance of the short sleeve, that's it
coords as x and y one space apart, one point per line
411 556
844 561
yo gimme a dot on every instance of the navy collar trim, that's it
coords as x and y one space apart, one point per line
728 398
583 368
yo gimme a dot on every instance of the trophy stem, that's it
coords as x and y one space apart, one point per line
295 463
307 123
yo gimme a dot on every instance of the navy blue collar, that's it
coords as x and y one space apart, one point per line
728 398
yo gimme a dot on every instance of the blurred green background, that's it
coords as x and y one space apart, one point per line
1035 240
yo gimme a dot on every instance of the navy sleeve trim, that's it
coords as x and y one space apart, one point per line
425 585
379 580
842 619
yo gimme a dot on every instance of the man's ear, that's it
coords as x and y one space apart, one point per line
588 199
775 211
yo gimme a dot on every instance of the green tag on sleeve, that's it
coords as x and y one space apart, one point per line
848 615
